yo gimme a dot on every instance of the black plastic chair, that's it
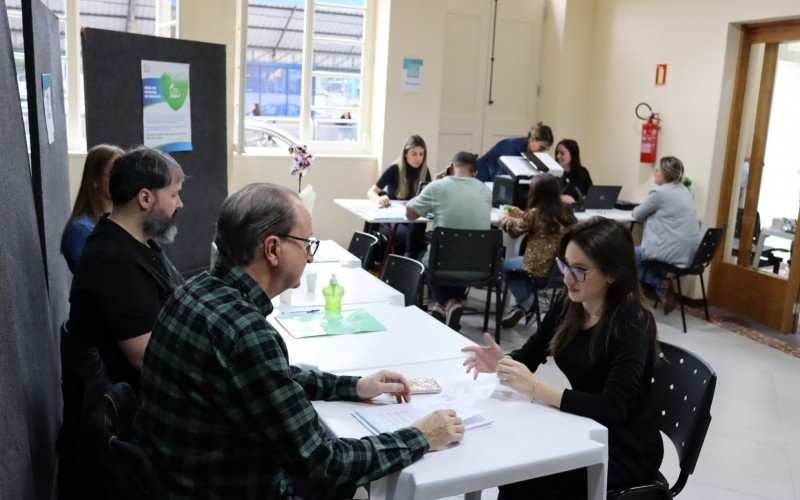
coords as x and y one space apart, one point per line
405 275
477 252
362 245
554 283
702 258
681 393
127 472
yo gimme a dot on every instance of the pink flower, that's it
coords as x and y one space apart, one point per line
302 160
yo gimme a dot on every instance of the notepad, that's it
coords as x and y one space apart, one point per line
392 417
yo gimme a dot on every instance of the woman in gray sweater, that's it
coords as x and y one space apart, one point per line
671 230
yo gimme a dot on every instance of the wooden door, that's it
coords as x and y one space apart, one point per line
467 121
760 198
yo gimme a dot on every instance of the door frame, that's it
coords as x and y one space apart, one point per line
769 300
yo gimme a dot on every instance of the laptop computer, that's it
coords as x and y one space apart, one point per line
422 186
601 197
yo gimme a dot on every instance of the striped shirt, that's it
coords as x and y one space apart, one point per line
225 415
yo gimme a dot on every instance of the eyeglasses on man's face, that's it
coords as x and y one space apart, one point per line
577 273
313 243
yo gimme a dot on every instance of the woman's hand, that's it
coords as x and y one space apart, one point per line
483 359
567 199
516 212
448 170
515 375
503 216
384 201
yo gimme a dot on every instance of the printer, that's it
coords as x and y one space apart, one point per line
511 186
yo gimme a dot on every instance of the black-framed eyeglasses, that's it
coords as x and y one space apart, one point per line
313 243
577 273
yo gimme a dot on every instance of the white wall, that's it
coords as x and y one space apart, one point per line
628 38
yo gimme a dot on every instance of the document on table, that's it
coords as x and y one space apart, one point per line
391 417
316 323
391 213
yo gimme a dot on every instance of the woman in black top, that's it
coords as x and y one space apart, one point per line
576 180
400 181
603 337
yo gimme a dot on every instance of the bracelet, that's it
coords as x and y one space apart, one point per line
533 389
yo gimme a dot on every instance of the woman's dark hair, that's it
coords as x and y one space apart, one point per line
609 246
545 195
90 197
542 133
142 168
404 191
575 165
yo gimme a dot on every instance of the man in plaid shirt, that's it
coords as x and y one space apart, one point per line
223 413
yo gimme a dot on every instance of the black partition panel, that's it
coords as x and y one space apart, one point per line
30 400
49 159
113 89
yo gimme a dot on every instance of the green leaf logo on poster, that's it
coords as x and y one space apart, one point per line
174 89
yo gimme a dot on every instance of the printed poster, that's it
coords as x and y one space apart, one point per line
412 75
166 106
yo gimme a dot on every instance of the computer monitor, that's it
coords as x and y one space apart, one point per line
601 197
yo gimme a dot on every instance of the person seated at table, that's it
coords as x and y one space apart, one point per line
576 181
539 139
671 230
603 337
458 201
93 201
542 224
400 181
224 414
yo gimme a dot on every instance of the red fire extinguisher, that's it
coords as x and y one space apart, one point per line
650 129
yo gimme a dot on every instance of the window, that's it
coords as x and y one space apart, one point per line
306 96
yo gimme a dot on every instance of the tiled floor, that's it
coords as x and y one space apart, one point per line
752 449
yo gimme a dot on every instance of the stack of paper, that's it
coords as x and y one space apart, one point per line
391 417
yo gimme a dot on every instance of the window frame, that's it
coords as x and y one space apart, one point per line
361 145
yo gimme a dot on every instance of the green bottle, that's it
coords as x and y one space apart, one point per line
333 295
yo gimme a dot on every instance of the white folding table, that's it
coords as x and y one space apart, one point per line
523 441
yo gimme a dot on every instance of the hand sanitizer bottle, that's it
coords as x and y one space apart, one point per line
333 295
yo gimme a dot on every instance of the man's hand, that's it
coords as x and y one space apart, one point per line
384 382
441 428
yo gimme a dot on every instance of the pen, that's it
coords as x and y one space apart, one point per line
312 311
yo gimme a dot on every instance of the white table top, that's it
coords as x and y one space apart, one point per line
524 440
370 212
360 287
613 213
331 252
411 336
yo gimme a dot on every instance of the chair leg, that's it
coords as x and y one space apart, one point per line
538 309
680 301
705 301
488 305
497 316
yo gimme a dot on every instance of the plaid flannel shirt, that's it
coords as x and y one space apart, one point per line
225 415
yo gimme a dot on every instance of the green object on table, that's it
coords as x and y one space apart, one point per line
320 323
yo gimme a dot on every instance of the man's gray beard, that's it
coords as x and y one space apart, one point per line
160 230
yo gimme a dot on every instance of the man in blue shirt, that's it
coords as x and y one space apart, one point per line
540 138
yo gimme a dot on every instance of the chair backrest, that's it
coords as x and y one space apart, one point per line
473 251
681 393
362 245
405 275
213 256
128 471
737 228
707 249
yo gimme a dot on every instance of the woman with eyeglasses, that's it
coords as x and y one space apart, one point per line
542 224
603 338
93 200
